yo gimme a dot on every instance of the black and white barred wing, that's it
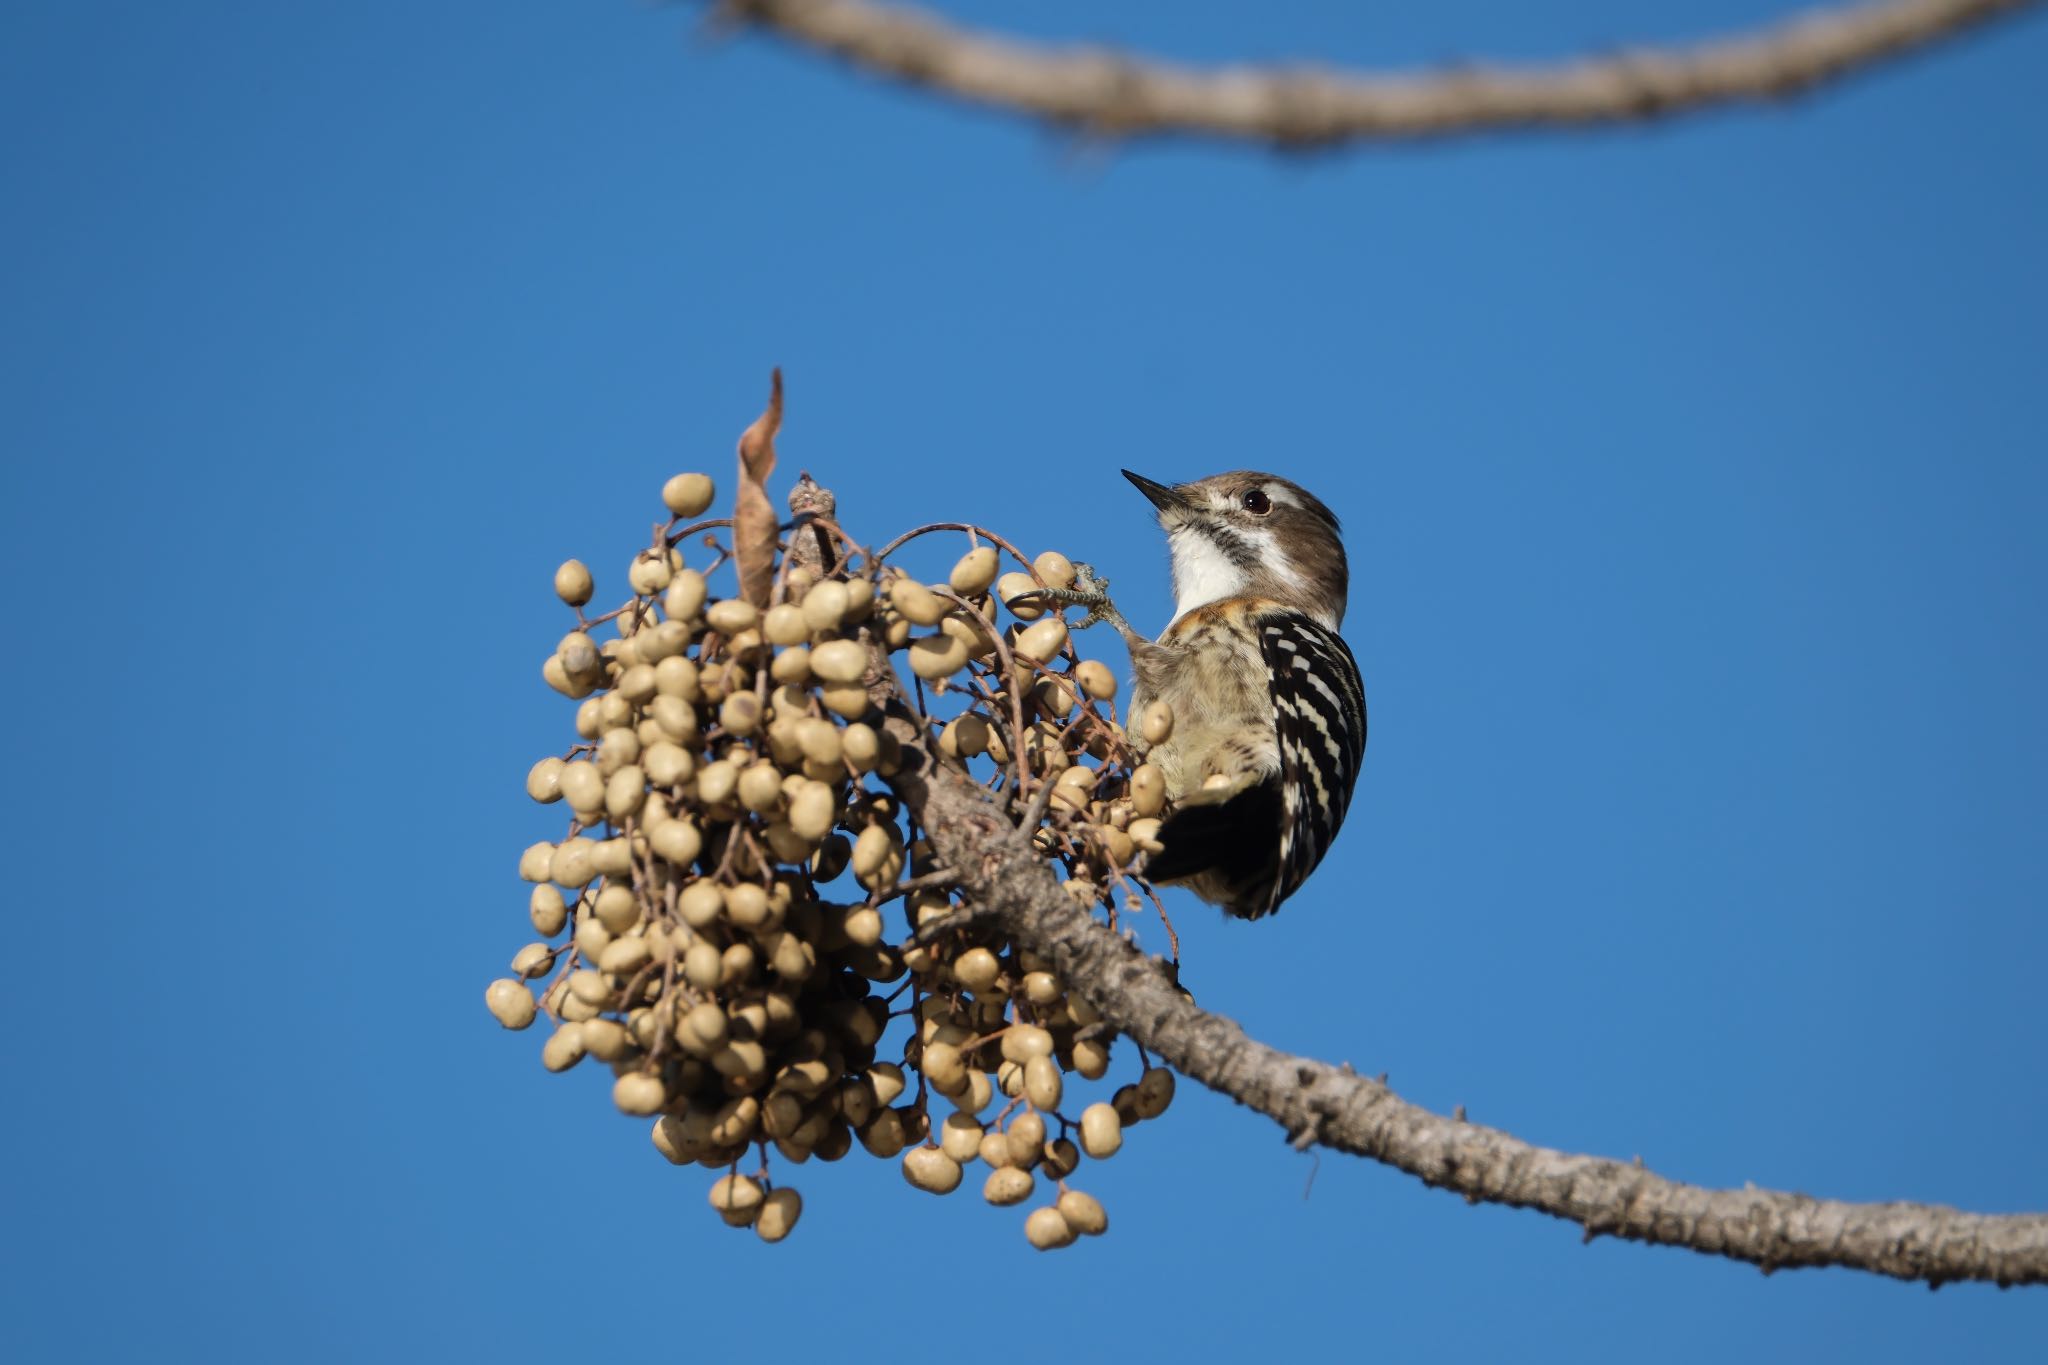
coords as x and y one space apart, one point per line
1319 712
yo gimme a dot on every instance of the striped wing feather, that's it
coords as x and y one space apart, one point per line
1319 713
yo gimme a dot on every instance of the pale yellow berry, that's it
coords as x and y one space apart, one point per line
1091 1059
1148 790
840 661
860 599
635 1093
637 684
555 676
675 1142
916 603
1155 1092
1145 834
676 717
937 656
1094 678
1125 1102
590 986
544 779
826 606
583 786
624 956
572 582
965 736
861 746
873 850
679 841
604 1039
760 784
666 764
884 1136
1083 1213
1026 1135
649 573
624 792
1156 724
546 908
848 700
563 1049
510 1002
970 631
960 1137
1042 640
716 781
943 1067
663 641
1042 1083
1007 1185
812 810
687 495
684 600
886 1080
616 908
535 959
701 903
737 1198
995 1150
702 965
746 905
975 571
1047 1230
740 713
977 969
613 856
1102 1132
819 740
1055 568
778 1215
576 862
1022 1042
1041 987
931 1170
535 863
1013 590
732 616
619 747
863 926
784 625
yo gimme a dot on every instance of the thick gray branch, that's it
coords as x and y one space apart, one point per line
1317 1103
1113 93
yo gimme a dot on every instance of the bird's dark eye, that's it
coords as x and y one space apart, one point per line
1257 503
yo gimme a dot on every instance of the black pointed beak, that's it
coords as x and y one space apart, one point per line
1163 496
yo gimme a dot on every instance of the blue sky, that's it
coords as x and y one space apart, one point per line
1693 485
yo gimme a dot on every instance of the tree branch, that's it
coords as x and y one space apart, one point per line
1316 1103
1111 93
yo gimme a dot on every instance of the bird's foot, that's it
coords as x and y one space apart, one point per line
1088 591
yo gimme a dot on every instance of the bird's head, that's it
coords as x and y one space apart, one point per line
1249 534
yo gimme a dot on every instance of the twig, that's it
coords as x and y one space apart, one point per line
1111 94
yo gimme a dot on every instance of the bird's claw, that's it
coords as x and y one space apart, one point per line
1092 592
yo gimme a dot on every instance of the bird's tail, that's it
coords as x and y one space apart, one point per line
1234 836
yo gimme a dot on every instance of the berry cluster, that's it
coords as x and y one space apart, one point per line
743 921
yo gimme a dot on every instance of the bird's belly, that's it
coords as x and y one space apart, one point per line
1222 723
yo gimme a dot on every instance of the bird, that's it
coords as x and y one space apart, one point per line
1269 716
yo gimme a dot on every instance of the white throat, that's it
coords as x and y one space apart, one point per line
1202 573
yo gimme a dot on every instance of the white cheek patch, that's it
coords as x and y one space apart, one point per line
1271 559
1201 572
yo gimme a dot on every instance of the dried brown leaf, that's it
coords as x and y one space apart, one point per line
754 521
